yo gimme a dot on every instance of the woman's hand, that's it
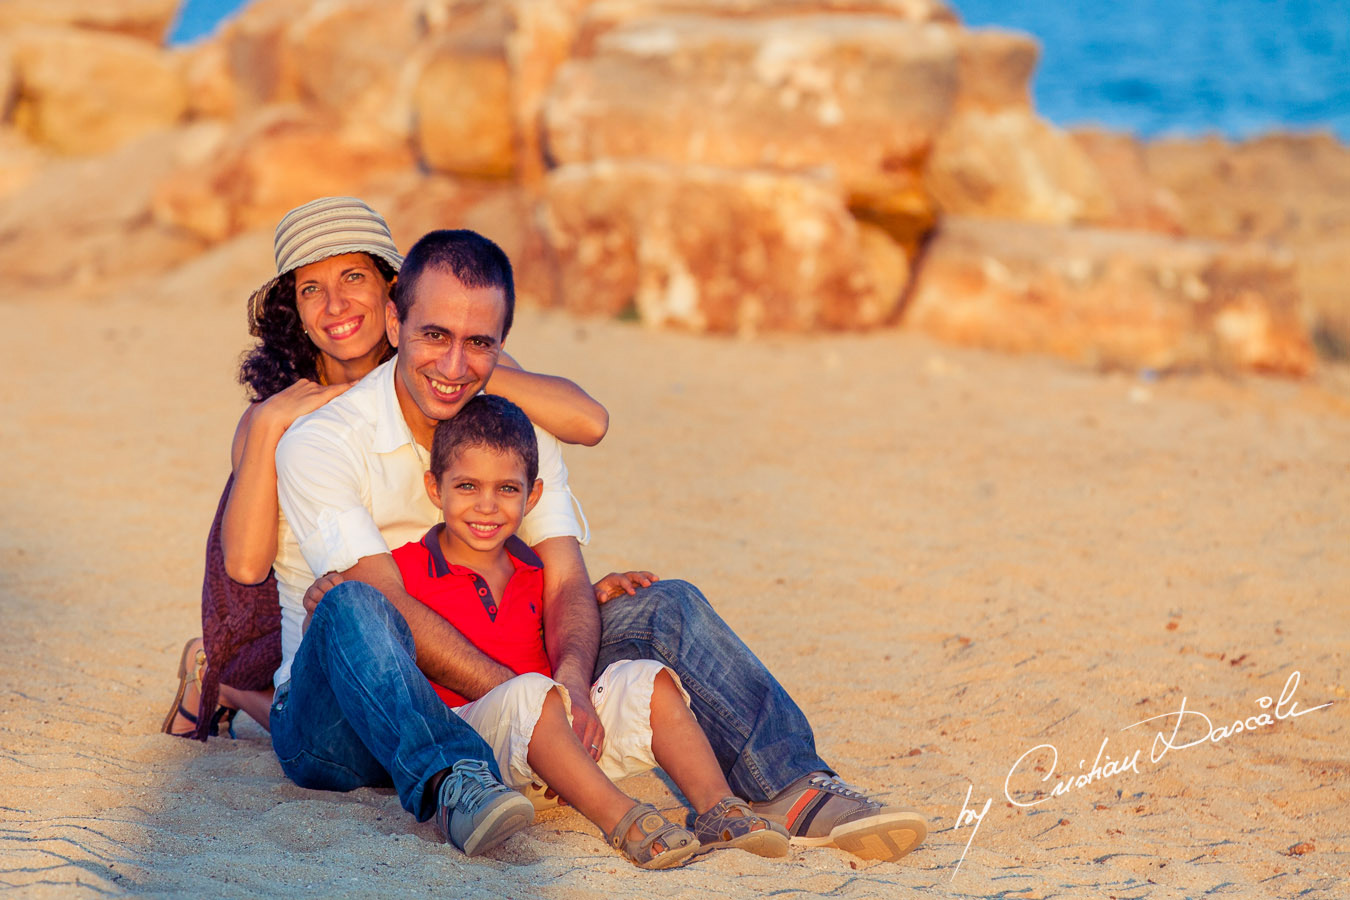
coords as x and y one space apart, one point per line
616 583
301 398
248 533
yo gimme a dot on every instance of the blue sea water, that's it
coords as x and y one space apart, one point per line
1151 67
1161 67
198 18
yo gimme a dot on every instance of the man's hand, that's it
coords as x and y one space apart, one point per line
322 585
585 720
616 583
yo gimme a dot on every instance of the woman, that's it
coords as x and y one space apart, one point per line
321 327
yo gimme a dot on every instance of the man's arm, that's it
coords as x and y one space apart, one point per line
572 632
553 403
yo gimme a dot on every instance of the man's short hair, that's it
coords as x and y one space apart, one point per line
490 422
476 261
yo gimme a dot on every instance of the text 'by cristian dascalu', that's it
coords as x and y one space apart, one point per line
1187 728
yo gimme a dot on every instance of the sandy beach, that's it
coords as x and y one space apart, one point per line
949 557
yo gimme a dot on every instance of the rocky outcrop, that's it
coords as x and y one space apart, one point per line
861 97
146 20
601 16
1010 164
995 69
1112 299
716 250
483 82
355 61
464 120
732 166
1291 190
1136 201
66 81
248 178
82 223
20 161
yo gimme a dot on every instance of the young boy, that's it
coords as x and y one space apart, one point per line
488 584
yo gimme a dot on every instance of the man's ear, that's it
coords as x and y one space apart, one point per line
391 323
433 488
535 493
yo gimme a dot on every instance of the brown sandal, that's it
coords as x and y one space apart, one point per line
190 668
675 844
719 829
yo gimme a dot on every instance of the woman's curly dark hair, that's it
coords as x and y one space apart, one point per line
284 353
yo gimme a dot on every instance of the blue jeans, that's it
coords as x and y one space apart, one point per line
758 733
359 712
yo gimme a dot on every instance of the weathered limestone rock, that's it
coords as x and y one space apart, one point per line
355 59
205 72
1288 188
861 96
714 250
464 120
481 90
1111 298
89 92
282 158
9 81
146 20
414 204
255 45
606 15
1009 164
1138 202
20 161
995 68
84 222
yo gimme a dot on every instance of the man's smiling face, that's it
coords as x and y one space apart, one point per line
447 348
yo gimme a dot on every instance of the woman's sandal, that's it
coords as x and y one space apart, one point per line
190 668
719 829
663 843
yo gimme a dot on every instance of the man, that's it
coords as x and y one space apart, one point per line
350 486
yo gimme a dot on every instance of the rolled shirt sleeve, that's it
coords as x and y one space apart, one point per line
321 493
556 514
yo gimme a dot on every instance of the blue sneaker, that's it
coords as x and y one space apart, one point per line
475 811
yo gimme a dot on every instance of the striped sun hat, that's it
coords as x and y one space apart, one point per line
329 226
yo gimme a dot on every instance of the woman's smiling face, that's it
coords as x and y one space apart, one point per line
341 304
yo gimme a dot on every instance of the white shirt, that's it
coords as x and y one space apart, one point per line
349 478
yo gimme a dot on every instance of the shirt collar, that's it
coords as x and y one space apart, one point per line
391 429
438 567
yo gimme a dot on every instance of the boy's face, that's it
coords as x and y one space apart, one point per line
484 496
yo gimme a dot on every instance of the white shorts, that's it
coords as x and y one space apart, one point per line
506 716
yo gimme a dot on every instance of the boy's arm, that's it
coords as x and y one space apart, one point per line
553 403
572 633
443 654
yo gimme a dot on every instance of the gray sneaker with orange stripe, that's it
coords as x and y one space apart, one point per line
819 810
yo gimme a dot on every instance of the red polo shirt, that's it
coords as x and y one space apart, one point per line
511 630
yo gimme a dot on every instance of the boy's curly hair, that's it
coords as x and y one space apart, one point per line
493 423
284 353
